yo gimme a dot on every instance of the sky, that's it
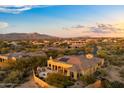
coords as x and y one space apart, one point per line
64 21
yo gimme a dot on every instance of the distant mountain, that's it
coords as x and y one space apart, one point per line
24 36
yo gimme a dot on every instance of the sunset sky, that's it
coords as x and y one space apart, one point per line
63 21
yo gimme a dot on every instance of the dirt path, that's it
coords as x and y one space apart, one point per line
29 84
114 75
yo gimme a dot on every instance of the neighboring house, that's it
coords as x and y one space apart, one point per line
3 58
37 43
75 65
17 55
9 57
75 43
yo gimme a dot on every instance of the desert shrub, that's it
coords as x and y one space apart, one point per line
117 84
114 84
100 73
88 79
22 68
122 73
106 84
14 77
53 53
58 80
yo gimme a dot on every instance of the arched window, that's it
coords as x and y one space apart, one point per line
55 67
49 65
72 74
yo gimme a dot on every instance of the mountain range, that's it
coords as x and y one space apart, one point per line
24 36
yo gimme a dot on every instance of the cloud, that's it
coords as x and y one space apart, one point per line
78 26
106 28
3 25
18 9
98 28
65 28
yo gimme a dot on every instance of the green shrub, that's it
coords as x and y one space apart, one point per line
58 80
88 79
22 68
14 77
115 84
122 73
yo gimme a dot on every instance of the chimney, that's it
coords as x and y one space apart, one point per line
89 56
50 58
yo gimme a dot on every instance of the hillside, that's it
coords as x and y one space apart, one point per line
24 36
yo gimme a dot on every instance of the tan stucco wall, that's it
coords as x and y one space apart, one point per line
54 62
41 83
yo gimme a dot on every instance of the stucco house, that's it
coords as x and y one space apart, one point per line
75 65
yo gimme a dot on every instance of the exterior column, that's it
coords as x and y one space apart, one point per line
63 71
68 73
47 65
75 75
51 67
57 68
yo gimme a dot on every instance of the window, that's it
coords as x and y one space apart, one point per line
99 64
65 72
72 74
78 75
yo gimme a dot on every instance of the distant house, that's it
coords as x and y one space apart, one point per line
75 65
75 43
37 43
17 55
10 57
3 58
